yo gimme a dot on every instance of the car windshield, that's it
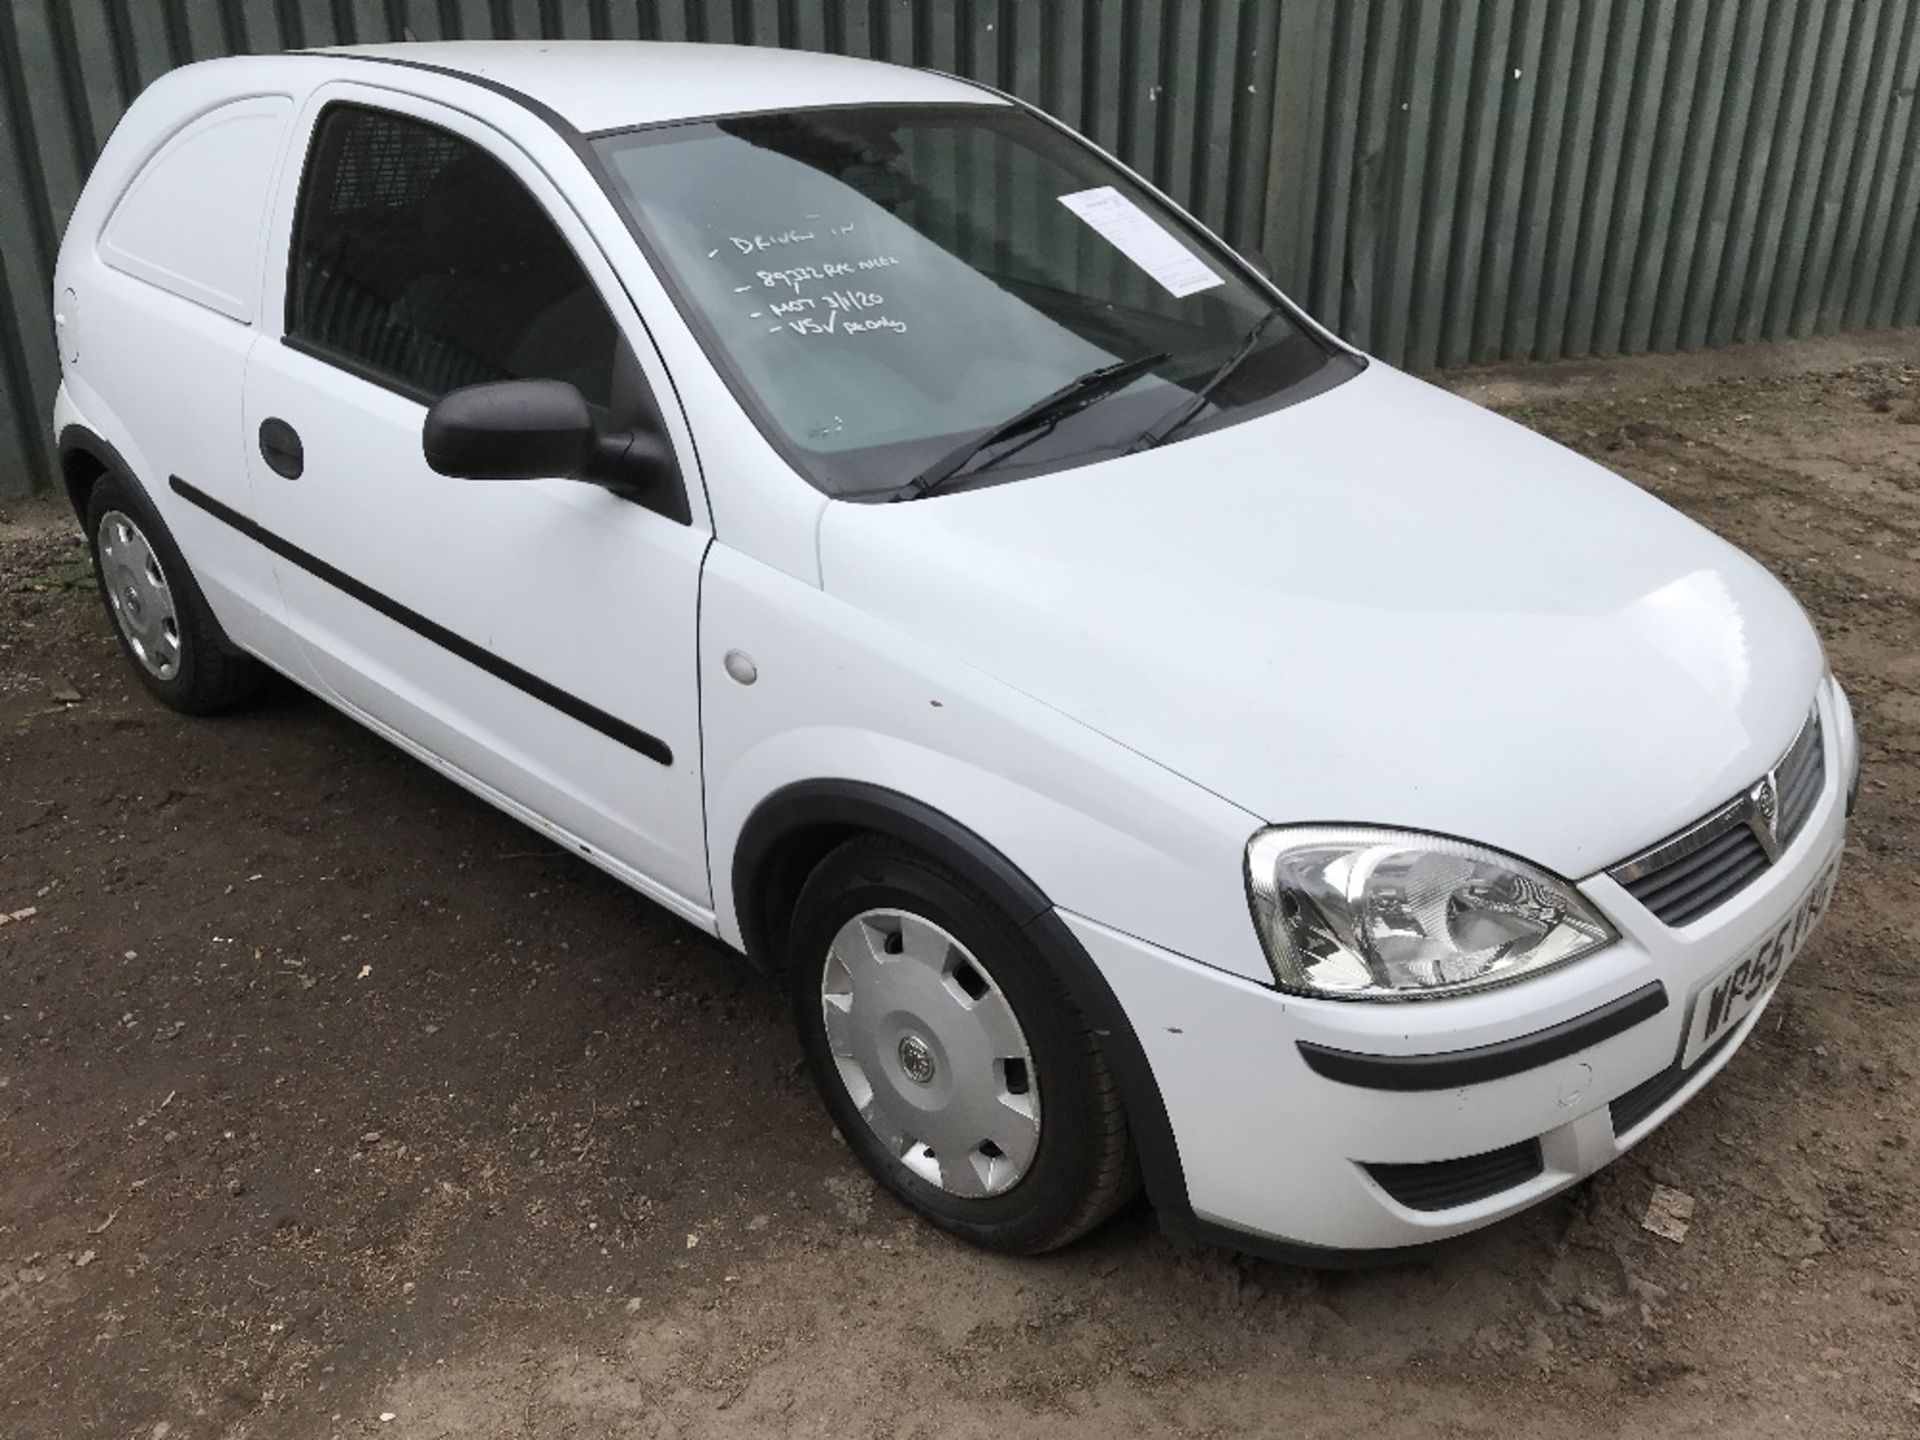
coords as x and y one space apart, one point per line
885 287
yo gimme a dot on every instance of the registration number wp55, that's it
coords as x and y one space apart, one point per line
1732 994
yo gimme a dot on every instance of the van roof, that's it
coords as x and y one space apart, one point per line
616 84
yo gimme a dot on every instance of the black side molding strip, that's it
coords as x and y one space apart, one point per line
1453 1068
572 706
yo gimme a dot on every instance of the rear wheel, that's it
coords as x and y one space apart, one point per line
165 627
948 1055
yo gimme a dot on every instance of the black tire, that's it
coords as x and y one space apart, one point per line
210 674
1084 1167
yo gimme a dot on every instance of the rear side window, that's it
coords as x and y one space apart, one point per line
193 219
421 262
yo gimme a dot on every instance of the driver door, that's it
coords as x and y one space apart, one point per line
536 638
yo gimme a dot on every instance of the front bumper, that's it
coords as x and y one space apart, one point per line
1278 1152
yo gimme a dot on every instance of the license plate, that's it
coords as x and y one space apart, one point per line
1727 999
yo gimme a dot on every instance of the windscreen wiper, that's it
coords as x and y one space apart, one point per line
1158 432
1046 412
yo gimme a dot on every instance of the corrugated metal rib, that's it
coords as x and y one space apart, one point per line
1443 181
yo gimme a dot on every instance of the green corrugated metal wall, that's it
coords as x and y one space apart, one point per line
1439 180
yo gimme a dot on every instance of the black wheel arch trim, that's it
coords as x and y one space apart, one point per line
1450 1069
77 439
857 806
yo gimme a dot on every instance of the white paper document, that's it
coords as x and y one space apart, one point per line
1142 239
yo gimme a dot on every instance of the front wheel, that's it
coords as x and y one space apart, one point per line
948 1055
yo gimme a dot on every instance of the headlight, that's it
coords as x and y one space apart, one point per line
1394 915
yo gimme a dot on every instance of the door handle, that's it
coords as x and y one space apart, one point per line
280 447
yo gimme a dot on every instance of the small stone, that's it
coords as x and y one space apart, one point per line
1646 1290
1539 1348
1597 1304
236 1187
1669 1213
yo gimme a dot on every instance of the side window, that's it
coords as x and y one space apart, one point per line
418 258
192 220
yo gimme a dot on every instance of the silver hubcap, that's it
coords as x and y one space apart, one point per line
138 594
930 1053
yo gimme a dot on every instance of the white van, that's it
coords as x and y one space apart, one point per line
1155 741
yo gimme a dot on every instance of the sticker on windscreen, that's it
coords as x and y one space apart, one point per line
1142 239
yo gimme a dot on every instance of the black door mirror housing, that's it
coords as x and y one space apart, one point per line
511 430
544 429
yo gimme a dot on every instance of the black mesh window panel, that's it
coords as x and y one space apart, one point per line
419 260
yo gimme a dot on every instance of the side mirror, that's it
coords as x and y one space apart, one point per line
511 430
541 429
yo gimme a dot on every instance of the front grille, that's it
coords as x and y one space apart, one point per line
1688 874
1690 886
1443 1184
1800 778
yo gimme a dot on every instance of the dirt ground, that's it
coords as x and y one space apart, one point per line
333 1103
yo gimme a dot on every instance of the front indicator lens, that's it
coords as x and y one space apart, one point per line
1394 915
